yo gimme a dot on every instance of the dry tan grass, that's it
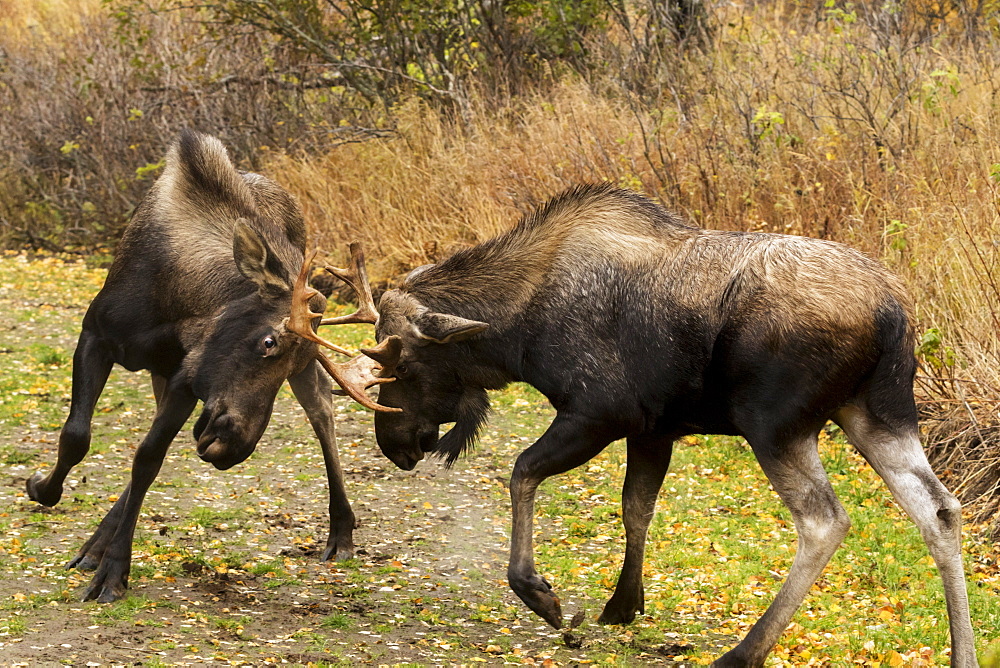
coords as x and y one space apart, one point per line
435 187
48 20
929 210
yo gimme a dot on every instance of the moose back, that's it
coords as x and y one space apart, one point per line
637 326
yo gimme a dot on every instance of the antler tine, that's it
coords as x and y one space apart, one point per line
301 318
357 277
358 374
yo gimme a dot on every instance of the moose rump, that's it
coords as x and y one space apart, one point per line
637 326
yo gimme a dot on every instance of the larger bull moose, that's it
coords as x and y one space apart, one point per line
637 326
208 292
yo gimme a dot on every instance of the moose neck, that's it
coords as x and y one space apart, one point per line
488 284
554 261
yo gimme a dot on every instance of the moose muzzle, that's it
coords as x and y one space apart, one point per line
224 440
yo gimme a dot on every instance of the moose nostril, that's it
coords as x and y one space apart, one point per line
212 452
199 426
203 444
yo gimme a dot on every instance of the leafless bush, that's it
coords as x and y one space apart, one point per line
87 118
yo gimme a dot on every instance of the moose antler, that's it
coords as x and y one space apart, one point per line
356 277
358 374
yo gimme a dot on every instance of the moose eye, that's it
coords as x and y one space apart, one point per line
401 370
268 344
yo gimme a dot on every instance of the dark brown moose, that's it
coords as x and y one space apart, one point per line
637 326
201 294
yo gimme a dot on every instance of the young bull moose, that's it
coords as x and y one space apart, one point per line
201 294
637 326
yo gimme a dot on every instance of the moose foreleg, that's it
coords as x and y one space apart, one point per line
111 578
89 556
569 441
312 388
794 469
91 367
648 460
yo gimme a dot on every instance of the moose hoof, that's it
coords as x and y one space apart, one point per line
103 590
621 611
340 542
338 553
537 594
617 615
38 494
110 595
110 581
83 562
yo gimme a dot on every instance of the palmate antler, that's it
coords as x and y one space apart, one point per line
358 374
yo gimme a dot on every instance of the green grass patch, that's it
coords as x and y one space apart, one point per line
126 609
338 621
15 625
721 543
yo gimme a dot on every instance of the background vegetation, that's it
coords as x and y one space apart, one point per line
422 126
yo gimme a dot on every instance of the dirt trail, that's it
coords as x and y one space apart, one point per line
431 550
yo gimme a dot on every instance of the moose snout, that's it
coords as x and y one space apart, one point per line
210 448
213 452
220 442
404 460
405 447
404 454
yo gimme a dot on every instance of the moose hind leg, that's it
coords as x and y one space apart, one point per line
89 556
897 456
648 460
793 467
312 389
91 368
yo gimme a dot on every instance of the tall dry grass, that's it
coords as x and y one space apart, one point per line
435 187
50 20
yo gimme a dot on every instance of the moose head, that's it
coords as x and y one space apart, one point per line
258 341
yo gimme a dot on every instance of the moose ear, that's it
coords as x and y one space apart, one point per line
255 261
444 328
